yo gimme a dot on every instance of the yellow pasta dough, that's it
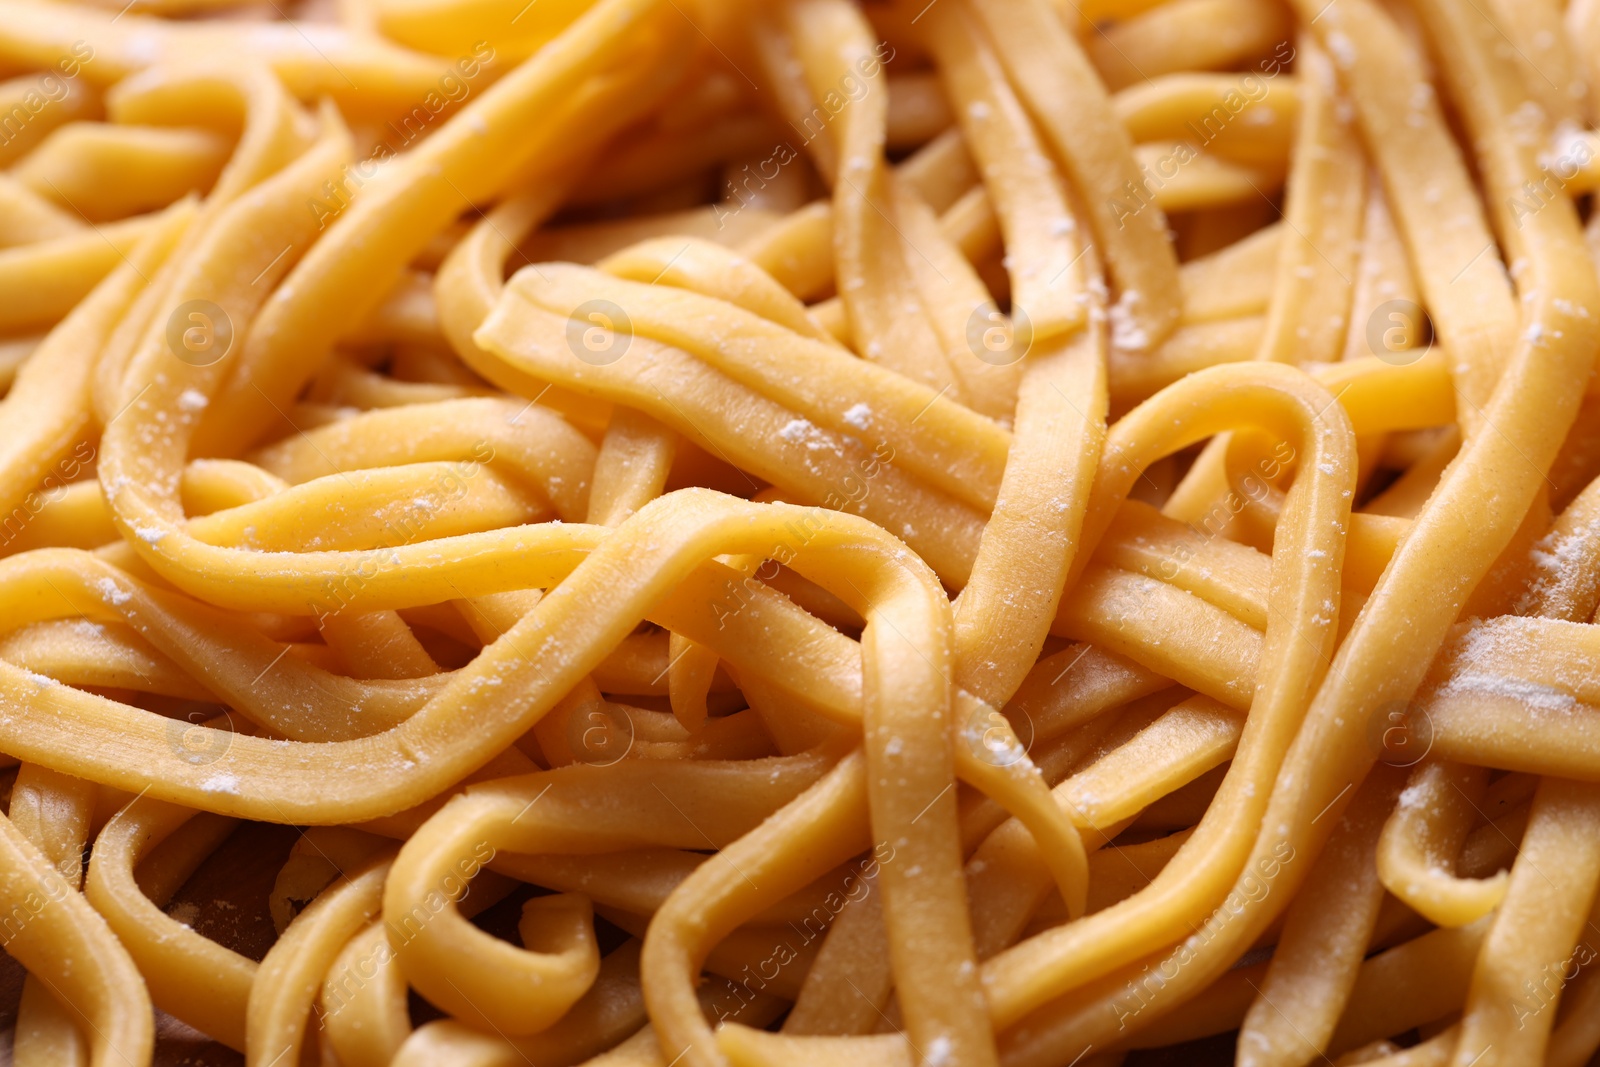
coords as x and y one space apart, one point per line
810 532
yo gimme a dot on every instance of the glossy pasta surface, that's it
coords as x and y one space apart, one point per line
770 533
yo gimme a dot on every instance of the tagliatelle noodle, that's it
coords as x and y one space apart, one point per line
847 533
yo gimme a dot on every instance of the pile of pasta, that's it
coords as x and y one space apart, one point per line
705 532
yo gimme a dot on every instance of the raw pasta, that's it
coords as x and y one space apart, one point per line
844 532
